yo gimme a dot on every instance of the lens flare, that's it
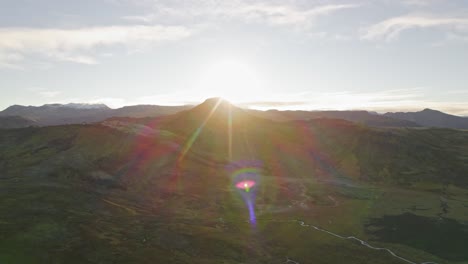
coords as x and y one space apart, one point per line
197 132
175 182
252 217
245 185
245 175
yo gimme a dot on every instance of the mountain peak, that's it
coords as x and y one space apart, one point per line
220 104
214 114
216 101
429 111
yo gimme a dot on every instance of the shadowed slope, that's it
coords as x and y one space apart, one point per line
15 122
432 118
219 127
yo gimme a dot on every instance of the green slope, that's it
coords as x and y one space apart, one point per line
133 192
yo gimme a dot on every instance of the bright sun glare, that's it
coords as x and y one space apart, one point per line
231 79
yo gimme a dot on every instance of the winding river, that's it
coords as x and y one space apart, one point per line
362 242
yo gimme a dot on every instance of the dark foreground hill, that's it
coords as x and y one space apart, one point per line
15 122
171 190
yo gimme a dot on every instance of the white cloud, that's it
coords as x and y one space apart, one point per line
286 15
267 12
80 45
391 28
77 45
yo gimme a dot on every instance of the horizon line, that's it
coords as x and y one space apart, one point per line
256 105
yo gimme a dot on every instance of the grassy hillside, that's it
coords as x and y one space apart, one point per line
149 191
7 122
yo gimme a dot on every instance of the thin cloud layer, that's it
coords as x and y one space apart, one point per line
391 28
249 11
76 45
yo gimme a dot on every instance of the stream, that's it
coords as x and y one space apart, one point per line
362 242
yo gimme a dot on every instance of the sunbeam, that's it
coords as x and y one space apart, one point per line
197 132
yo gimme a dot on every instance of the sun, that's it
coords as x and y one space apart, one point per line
231 79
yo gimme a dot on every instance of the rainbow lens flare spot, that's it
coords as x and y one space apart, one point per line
245 185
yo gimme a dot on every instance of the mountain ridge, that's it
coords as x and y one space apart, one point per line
357 116
73 113
170 183
431 118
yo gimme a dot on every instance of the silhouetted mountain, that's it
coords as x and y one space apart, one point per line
213 112
363 117
213 120
148 110
58 114
79 106
432 118
15 122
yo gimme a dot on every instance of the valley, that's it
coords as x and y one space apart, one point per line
326 190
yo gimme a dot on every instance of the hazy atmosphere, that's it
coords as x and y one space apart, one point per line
234 132
376 55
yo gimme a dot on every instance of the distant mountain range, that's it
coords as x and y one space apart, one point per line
73 113
363 117
432 118
59 114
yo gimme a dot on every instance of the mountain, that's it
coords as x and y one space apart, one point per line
58 114
214 114
148 110
79 106
225 132
207 126
362 117
432 118
218 184
15 122
73 113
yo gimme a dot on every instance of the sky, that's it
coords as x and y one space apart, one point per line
378 55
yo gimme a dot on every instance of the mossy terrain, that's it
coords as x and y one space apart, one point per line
144 191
